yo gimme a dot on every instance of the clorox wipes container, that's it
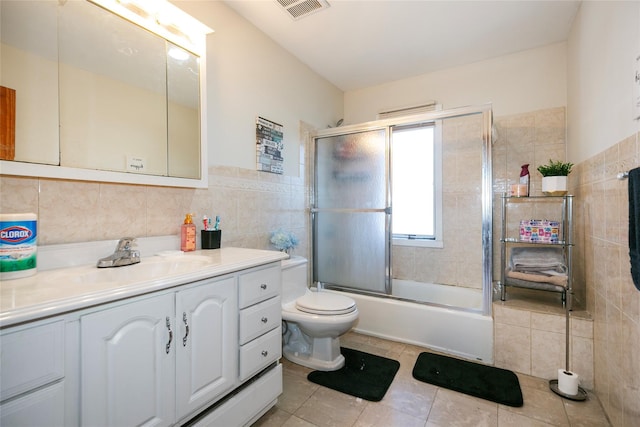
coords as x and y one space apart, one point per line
18 245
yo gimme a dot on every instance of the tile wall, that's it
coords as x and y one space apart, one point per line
530 327
251 204
603 265
530 338
530 138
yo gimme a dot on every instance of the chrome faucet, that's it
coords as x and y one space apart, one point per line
123 255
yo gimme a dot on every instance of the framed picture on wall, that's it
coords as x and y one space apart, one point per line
269 146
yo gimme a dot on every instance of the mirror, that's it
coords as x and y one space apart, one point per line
96 92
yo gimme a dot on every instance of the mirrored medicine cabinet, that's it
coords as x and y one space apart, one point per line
100 98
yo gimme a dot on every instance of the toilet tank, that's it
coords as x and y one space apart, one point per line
294 278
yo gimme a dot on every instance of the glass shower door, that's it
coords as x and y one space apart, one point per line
351 214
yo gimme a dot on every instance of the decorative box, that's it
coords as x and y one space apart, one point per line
539 230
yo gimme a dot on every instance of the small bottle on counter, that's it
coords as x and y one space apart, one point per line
524 180
188 234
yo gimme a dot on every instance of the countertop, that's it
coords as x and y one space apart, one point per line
58 291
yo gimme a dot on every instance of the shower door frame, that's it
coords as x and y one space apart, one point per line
347 130
485 110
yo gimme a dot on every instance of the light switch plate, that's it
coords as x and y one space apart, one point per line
136 164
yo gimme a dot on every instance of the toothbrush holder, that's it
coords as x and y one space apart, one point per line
211 239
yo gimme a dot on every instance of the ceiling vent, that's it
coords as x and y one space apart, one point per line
298 9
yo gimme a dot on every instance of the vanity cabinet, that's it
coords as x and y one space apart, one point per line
201 347
32 375
138 358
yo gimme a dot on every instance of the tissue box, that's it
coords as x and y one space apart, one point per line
539 231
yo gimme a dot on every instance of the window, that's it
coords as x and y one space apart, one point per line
416 188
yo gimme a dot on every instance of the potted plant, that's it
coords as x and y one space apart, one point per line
554 177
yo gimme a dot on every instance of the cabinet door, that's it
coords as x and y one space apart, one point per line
127 370
206 356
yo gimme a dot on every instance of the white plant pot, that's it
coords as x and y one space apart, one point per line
554 185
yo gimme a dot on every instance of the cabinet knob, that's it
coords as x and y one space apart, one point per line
265 353
264 320
263 286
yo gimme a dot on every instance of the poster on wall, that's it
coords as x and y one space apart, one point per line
269 146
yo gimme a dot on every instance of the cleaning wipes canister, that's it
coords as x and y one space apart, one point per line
18 245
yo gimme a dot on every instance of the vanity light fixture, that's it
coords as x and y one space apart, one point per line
164 19
178 54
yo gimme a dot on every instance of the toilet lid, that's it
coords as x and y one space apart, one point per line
325 303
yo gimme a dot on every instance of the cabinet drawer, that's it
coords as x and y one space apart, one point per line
259 285
260 318
44 407
31 358
244 407
258 353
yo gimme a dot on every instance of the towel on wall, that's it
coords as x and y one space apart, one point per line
543 259
634 225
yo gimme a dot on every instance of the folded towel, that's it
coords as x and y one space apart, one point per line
634 225
528 259
554 279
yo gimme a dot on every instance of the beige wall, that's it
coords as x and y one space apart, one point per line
526 81
248 75
603 45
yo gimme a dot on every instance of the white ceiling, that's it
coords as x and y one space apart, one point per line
360 43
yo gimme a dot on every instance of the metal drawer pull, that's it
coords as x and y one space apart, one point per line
184 319
263 286
264 320
265 353
170 335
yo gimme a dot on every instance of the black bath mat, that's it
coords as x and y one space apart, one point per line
363 375
486 382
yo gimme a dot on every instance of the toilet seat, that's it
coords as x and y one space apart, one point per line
324 303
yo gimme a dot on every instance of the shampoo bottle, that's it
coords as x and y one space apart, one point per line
524 180
188 234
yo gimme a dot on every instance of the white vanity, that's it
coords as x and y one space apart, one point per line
173 340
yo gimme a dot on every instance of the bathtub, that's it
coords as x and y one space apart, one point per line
459 332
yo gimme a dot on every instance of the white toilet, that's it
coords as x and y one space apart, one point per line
314 320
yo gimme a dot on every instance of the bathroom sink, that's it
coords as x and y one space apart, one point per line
150 268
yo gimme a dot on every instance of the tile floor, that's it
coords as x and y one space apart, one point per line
409 402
